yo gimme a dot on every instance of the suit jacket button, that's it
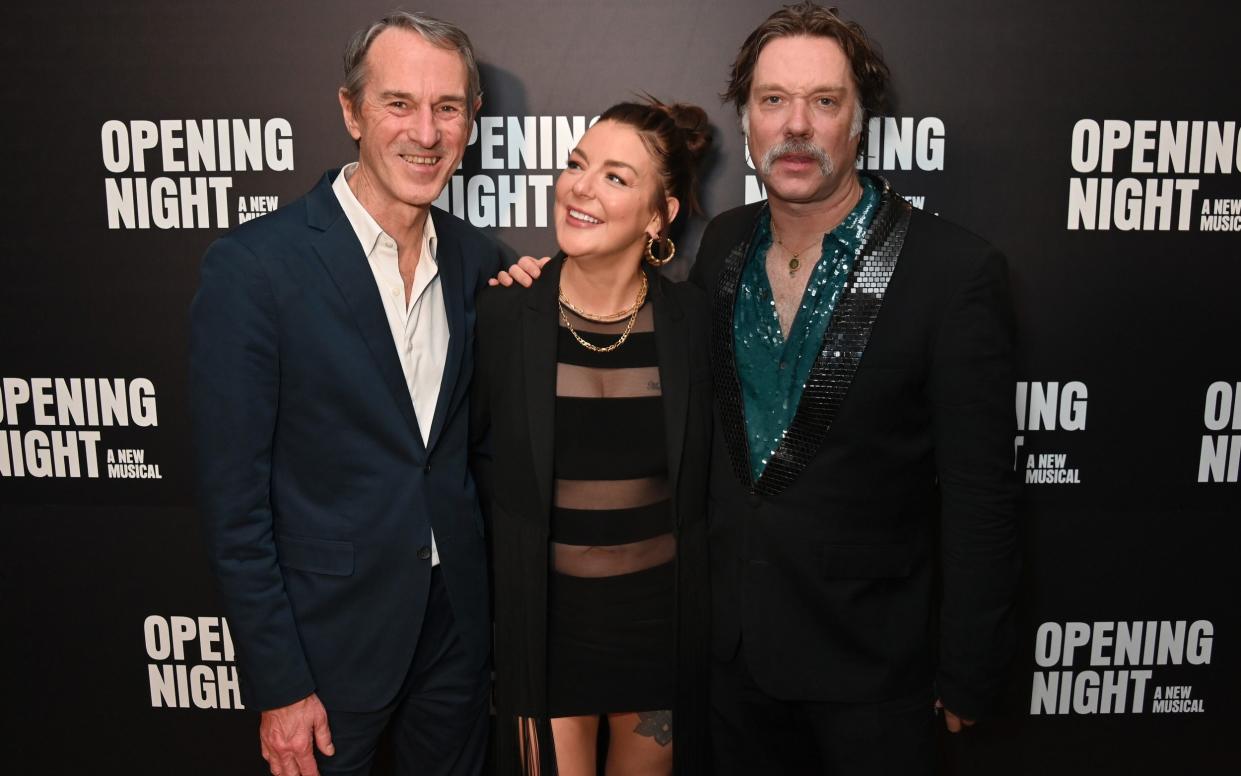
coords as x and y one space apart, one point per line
426 469
424 553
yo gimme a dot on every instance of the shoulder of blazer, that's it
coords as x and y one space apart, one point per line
727 229
721 234
290 228
942 246
499 308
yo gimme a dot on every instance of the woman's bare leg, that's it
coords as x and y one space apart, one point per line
640 743
576 739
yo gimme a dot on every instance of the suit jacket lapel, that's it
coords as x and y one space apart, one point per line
341 254
844 342
672 346
723 358
538 344
452 285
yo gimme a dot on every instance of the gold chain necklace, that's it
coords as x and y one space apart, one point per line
633 317
794 256
611 317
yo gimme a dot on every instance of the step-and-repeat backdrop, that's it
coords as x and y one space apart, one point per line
1097 144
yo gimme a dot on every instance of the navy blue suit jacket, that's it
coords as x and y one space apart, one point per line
317 492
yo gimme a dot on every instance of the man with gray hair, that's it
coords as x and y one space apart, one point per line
331 354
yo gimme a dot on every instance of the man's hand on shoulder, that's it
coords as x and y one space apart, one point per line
525 272
954 723
289 734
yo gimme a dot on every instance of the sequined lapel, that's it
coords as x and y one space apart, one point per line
723 361
844 342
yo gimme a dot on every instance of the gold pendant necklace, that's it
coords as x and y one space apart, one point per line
632 312
794 256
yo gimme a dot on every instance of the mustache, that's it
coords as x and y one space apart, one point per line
797 146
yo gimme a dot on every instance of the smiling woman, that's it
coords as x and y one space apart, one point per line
599 558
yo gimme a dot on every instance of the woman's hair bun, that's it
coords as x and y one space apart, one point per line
692 121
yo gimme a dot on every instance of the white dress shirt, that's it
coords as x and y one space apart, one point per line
419 324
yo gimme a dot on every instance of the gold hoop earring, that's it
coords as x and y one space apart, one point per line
650 255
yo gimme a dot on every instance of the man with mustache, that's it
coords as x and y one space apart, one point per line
332 349
864 545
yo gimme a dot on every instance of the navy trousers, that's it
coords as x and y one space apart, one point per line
439 719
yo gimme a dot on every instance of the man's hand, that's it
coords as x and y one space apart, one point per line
525 271
288 734
954 723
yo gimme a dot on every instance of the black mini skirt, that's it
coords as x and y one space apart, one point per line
611 643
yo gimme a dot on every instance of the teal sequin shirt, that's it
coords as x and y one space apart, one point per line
774 371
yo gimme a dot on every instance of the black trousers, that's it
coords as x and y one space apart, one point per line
754 733
438 721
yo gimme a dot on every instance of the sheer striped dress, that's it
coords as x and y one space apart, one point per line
612 585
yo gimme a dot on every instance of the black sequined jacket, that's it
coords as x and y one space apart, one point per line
877 554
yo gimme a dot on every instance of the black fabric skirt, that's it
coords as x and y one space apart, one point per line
611 642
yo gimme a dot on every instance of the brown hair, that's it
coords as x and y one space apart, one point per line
870 72
677 136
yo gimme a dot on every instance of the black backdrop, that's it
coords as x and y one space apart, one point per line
1008 118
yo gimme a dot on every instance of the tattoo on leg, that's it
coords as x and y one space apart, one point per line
656 724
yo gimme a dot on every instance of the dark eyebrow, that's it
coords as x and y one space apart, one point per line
616 163
606 163
777 88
